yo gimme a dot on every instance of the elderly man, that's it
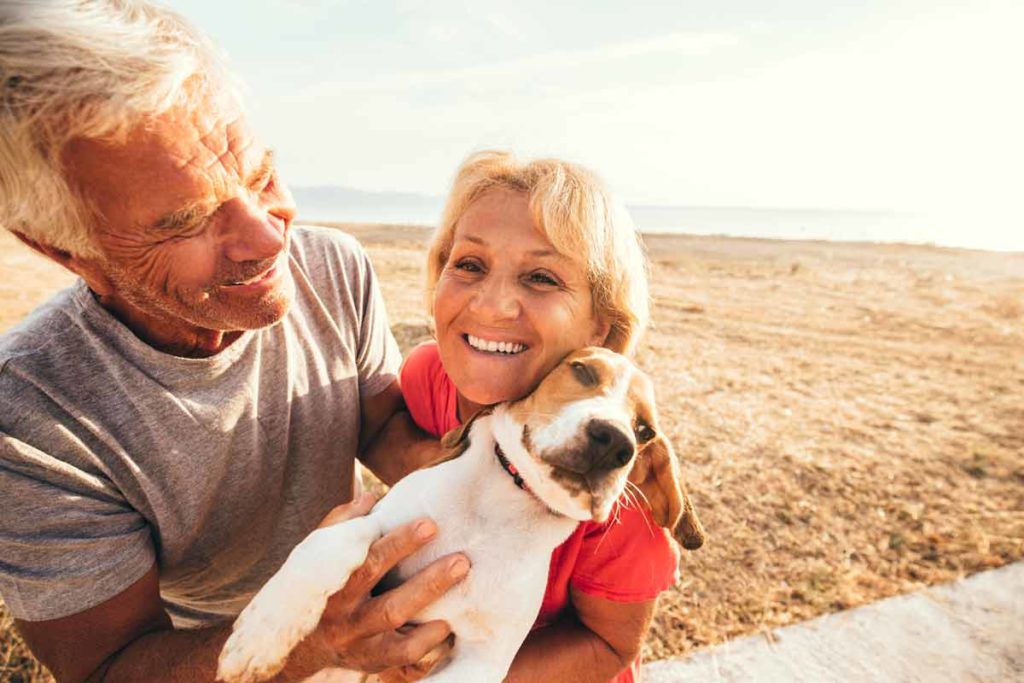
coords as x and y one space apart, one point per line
178 420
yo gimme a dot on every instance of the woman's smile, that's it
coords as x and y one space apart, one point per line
490 346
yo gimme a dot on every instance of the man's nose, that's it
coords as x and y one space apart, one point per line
250 232
608 447
495 299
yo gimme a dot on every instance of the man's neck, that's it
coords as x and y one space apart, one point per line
174 337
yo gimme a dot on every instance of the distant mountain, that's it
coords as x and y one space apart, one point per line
336 203
348 205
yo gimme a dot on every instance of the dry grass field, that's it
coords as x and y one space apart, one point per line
850 417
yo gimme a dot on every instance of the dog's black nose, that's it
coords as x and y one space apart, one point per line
610 447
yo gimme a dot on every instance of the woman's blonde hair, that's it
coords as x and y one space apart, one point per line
572 208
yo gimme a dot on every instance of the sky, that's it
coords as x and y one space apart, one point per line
905 105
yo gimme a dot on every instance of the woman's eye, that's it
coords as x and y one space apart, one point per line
543 278
468 266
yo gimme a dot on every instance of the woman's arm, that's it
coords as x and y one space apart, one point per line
391 445
595 644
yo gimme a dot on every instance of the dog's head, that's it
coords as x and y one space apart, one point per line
589 428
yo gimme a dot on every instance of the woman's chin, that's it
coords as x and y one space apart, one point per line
489 383
489 394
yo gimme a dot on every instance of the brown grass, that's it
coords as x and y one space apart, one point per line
849 416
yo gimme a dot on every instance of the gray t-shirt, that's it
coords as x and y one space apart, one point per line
114 455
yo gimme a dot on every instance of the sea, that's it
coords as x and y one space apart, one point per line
992 233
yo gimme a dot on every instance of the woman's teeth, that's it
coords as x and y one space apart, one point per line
494 346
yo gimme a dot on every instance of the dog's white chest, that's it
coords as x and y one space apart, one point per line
507 536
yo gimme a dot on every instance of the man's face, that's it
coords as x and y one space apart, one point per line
192 221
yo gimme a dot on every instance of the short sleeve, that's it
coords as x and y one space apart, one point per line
68 540
627 559
378 357
428 392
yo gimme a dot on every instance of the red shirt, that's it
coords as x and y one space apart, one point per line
626 560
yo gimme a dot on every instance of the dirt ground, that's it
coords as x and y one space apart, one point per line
850 417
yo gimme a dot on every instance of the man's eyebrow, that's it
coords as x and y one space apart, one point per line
258 178
201 210
185 217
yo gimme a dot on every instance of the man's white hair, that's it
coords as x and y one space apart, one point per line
85 69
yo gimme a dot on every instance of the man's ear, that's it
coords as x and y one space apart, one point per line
53 253
656 474
86 269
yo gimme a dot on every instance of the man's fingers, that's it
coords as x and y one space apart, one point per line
394 608
357 508
388 551
412 645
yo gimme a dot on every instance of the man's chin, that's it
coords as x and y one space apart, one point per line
267 315
267 311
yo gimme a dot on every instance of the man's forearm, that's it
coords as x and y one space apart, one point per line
566 651
190 656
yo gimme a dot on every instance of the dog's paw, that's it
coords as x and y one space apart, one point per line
267 630
289 606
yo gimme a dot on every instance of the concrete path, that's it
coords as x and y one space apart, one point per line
970 630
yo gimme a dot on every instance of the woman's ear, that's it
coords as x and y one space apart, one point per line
656 474
602 328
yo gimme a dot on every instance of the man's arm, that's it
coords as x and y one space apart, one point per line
129 637
390 443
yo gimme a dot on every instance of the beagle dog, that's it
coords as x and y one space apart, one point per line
518 480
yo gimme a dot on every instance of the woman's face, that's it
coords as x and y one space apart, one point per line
508 307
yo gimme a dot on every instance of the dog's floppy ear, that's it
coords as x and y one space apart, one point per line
457 440
656 474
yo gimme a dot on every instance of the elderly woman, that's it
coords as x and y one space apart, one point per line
531 261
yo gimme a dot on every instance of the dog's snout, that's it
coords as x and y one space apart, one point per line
611 448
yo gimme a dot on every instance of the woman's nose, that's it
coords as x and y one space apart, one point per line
495 299
251 233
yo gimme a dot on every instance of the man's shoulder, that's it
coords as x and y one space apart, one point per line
335 264
313 244
39 334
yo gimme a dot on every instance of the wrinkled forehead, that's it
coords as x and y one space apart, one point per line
181 156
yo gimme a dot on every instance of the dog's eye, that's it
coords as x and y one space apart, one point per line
584 374
643 432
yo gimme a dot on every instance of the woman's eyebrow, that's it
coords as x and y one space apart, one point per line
533 252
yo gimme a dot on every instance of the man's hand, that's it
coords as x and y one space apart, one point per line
422 668
370 633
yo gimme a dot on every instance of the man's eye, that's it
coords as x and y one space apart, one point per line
643 432
183 227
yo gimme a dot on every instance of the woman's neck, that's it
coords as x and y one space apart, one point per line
465 408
